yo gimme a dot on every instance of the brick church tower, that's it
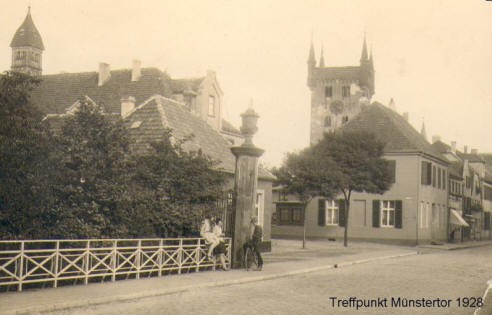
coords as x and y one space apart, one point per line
338 93
27 48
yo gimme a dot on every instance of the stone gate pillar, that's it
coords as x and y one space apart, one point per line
245 183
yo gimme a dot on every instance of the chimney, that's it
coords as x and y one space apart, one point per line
127 105
436 138
453 146
392 104
465 149
136 70
104 73
474 151
405 116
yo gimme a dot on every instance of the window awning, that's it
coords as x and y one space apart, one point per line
456 219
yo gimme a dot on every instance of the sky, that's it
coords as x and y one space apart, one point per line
433 57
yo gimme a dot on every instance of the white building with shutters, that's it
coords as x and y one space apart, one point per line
413 211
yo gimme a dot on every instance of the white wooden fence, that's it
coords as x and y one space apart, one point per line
56 262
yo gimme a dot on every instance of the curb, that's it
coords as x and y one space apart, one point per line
149 294
436 247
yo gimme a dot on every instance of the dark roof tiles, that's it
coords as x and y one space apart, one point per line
58 91
393 129
27 35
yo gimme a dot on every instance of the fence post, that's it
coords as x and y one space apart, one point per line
137 258
113 261
57 249
159 257
21 267
180 255
198 255
86 262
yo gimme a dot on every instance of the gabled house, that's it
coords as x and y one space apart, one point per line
459 224
149 101
412 211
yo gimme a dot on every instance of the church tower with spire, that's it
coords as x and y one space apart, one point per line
338 93
27 48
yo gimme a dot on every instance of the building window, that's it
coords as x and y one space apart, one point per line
211 105
392 170
439 175
434 173
328 91
345 119
259 211
290 214
345 91
328 121
387 213
444 179
332 212
426 173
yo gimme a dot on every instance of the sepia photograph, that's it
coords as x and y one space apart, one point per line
245 157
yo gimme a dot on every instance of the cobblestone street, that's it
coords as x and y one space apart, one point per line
441 274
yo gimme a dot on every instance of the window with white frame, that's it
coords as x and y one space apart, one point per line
332 212
387 213
260 206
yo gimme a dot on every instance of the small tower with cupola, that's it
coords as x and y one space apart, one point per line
27 48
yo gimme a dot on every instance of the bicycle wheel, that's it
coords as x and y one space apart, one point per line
250 259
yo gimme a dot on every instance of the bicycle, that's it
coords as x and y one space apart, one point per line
250 259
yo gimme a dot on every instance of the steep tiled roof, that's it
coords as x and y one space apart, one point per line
27 35
488 173
341 73
179 86
229 128
487 157
58 91
456 169
441 146
474 158
393 129
159 113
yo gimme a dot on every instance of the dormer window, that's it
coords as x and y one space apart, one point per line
211 106
328 121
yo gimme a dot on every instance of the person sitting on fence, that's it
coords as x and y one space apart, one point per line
220 250
210 238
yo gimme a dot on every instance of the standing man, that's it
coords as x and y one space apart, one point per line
256 234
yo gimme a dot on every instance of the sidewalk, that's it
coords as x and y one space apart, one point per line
457 246
286 259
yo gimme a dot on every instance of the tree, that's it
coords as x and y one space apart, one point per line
356 165
25 146
91 185
306 176
179 186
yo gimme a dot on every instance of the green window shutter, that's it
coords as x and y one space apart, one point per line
398 214
376 212
321 212
341 212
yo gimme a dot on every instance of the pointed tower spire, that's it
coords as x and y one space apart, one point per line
312 59
27 47
371 61
422 130
363 56
321 59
